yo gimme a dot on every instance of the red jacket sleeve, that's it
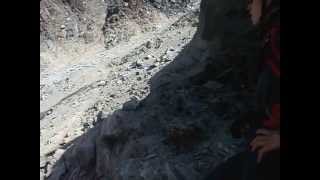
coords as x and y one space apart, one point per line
273 59
273 122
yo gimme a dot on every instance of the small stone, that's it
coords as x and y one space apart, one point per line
149 45
43 164
137 73
62 143
158 43
137 64
42 115
123 78
86 125
139 78
131 105
165 58
102 83
101 115
149 57
49 112
67 135
151 67
62 26
58 154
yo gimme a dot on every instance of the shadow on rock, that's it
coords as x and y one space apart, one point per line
178 132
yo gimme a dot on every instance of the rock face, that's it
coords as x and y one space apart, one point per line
175 133
180 130
125 18
62 20
87 20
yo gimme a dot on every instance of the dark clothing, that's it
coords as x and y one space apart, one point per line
269 82
244 166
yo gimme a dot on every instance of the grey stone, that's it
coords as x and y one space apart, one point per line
137 64
131 105
151 67
42 115
43 163
49 112
102 83
58 154
149 44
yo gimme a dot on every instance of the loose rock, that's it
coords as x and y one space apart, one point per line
131 105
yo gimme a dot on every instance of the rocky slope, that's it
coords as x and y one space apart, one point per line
143 109
84 21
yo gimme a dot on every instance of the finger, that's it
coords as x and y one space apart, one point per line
258 144
259 139
263 132
262 152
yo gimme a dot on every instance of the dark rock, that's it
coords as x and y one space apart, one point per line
49 112
149 44
151 67
42 115
213 85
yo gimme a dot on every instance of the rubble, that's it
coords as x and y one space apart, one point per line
143 117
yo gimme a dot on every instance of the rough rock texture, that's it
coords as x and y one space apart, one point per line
125 18
180 130
86 21
68 28
62 20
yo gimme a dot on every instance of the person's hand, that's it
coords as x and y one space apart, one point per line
265 142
